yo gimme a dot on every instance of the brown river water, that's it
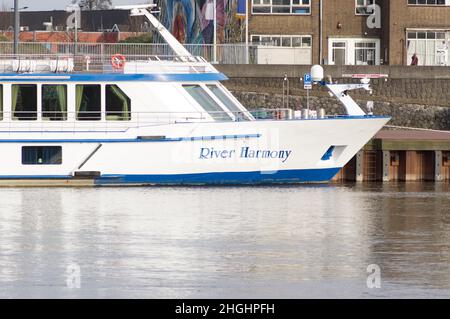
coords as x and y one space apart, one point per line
226 242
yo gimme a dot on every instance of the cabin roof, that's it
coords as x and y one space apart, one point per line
111 77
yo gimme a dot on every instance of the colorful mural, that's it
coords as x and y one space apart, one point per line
187 20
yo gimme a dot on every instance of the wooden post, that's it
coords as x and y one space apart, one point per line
386 166
410 166
438 166
360 166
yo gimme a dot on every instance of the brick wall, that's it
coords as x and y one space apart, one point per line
396 17
403 16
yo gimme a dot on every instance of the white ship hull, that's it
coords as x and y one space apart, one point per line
230 153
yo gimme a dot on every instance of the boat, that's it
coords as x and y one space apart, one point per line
160 120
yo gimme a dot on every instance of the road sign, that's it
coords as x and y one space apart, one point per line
307 81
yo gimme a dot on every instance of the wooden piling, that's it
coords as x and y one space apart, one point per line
402 156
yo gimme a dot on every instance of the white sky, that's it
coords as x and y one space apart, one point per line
38 5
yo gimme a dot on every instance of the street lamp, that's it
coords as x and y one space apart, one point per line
211 15
17 25
73 21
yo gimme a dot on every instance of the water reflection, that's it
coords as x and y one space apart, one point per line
283 242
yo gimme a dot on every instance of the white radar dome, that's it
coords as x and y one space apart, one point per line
317 73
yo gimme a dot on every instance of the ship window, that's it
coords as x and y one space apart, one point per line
41 155
88 102
207 102
118 104
54 102
1 102
24 102
220 94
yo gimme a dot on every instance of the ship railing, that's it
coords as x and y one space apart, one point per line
115 120
101 63
291 52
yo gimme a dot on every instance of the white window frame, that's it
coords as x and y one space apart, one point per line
365 49
280 37
366 5
447 3
331 51
350 49
236 103
269 3
426 40
200 107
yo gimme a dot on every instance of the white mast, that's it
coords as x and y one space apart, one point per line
141 10
340 91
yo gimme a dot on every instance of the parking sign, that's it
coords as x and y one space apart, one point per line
307 81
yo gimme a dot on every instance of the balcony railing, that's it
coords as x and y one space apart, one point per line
236 53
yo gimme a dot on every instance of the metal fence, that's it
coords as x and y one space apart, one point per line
224 53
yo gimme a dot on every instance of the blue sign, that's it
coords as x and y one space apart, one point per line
242 7
307 81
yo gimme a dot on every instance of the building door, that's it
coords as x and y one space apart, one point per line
339 53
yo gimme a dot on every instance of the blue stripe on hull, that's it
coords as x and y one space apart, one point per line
224 178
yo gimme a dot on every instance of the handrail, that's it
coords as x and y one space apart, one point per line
67 122
101 63
117 116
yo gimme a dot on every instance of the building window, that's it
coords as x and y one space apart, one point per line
354 51
281 6
283 40
431 47
364 7
428 2
1 102
118 104
24 102
54 102
365 53
281 49
207 102
88 102
41 155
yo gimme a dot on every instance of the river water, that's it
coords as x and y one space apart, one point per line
263 242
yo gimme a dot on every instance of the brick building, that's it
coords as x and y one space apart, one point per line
352 32
105 26
335 32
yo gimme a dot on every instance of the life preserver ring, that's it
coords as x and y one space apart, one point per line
118 61
278 115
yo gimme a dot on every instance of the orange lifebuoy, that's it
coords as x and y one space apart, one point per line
118 61
278 115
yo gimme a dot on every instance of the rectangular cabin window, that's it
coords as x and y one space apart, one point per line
54 102
118 104
1 102
24 102
207 102
221 95
41 155
88 102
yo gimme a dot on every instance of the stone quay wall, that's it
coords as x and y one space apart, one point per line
412 96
